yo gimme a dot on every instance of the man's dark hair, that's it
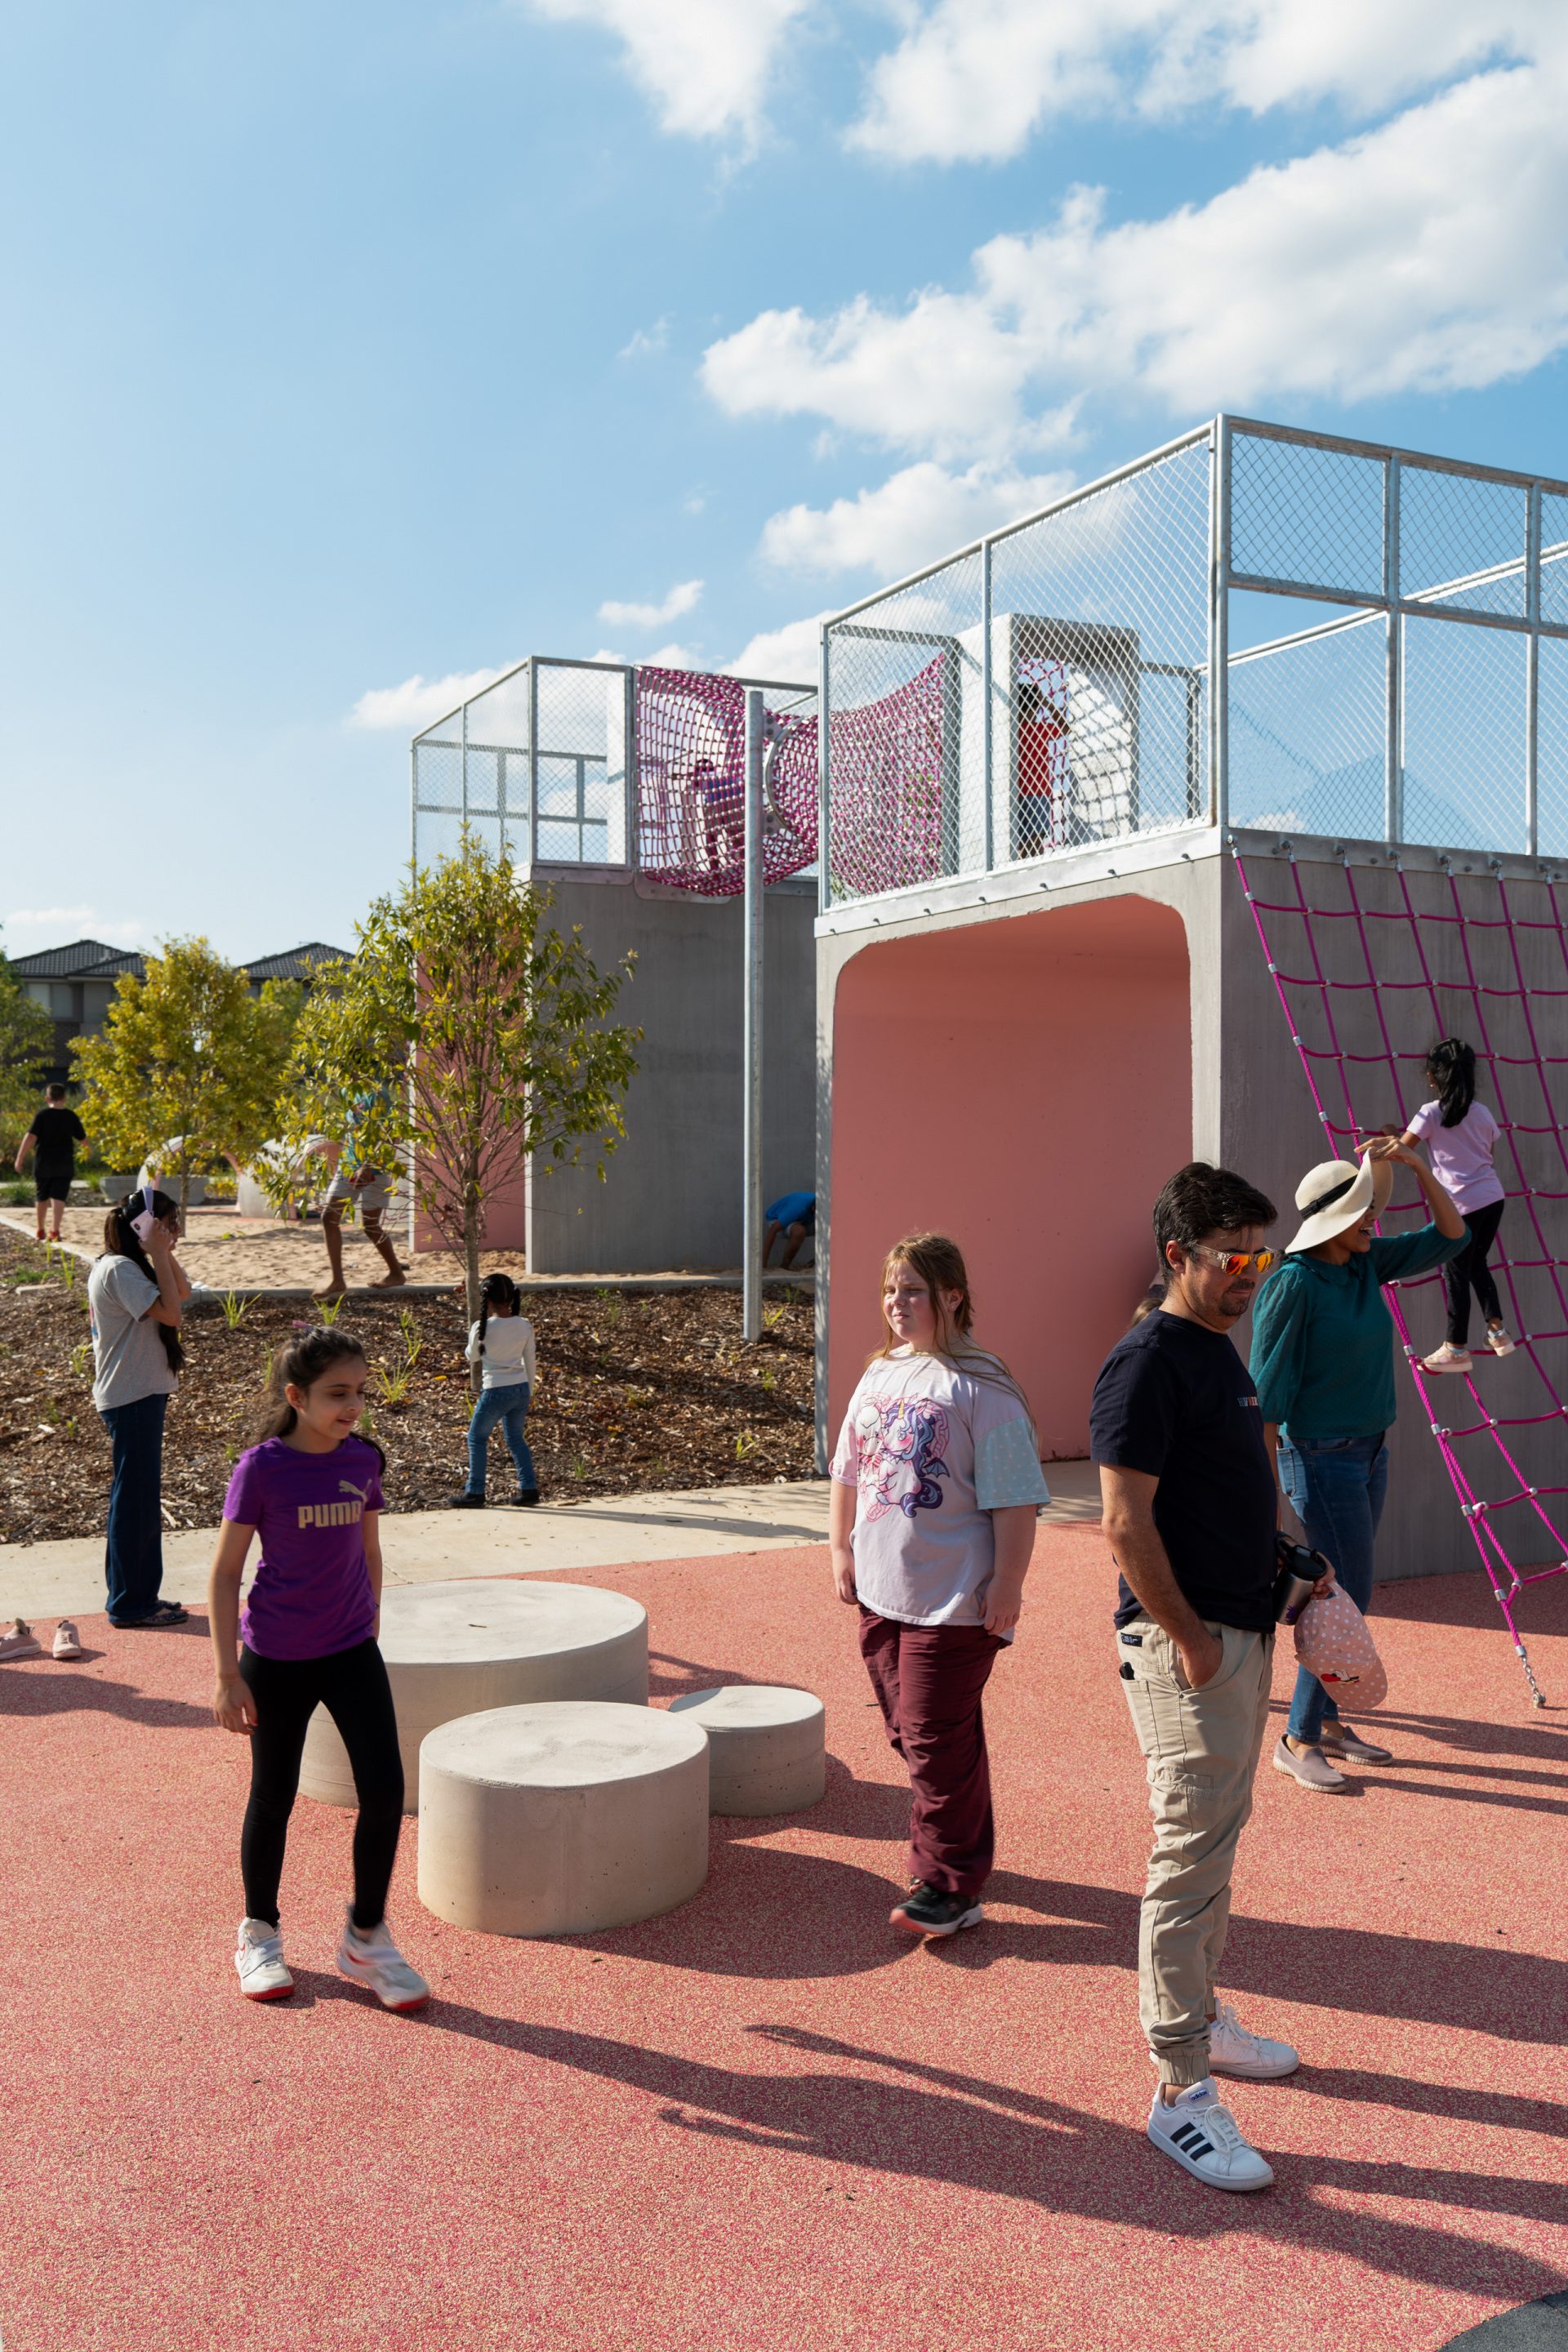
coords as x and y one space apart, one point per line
56 1091
1200 1200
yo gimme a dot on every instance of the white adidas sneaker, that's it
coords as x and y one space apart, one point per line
1252 2056
259 1960
374 1960
1201 2133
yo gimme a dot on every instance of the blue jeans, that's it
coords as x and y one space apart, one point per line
134 1562
509 1407
1337 1486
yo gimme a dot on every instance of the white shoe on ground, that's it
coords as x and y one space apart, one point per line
68 1640
259 1960
1448 1359
374 1960
1310 1766
1202 2134
1497 1341
19 1640
1252 2056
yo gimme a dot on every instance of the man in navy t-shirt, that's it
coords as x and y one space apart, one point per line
1191 1512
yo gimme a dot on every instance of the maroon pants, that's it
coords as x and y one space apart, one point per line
929 1680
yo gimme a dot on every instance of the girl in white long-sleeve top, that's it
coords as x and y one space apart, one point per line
502 1344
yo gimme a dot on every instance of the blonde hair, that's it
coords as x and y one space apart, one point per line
938 1262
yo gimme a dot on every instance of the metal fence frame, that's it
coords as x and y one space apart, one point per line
532 753
1209 794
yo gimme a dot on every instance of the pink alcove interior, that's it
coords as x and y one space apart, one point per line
1026 1086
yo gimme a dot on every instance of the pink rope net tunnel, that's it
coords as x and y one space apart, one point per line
1388 981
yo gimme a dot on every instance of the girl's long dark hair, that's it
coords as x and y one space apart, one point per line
300 1365
496 1291
1451 1068
119 1240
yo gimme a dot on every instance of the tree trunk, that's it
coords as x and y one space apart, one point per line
472 1212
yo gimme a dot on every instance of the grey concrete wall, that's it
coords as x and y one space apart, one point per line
671 1198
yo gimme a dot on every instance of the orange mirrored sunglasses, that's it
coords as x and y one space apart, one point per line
1233 1261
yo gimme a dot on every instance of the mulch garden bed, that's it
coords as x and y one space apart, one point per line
635 1392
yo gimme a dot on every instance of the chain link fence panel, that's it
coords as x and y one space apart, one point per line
1307 728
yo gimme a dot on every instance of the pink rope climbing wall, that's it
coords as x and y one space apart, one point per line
1398 973
691 770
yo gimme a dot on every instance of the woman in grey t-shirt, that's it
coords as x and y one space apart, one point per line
135 1295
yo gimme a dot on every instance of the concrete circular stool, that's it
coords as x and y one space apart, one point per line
561 1819
486 1642
768 1744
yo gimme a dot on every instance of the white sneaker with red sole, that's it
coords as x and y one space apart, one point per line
374 1960
259 1960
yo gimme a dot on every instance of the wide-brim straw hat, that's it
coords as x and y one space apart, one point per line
1336 1194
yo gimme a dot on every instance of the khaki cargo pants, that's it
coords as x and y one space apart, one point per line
1201 1748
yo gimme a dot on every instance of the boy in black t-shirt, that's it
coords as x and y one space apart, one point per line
1190 1514
55 1133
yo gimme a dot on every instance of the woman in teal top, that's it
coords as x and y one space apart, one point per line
1322 1362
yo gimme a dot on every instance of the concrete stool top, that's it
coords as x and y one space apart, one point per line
571 1743
473 1620
747 1706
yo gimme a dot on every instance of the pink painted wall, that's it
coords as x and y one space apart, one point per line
1026 1086
506 1218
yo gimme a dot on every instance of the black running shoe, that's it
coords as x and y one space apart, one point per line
465 1502
931 1911
526 1497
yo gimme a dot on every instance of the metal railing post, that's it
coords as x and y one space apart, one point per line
985 704
823 845
532 763
1532 674
1219 625
413 807
465 767
752 1030
634 770
1394 663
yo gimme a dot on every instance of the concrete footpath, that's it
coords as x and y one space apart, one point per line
66 1577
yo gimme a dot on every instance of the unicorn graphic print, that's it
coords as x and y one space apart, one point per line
900 1443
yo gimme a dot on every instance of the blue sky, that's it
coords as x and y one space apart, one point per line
357 349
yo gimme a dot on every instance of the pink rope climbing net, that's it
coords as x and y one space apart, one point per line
691 784
1406 979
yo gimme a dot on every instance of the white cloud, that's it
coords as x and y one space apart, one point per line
706 64
418 702
604 655
1428 255
26 929
910 519
974 80
682 598
647 343
674 658
788 653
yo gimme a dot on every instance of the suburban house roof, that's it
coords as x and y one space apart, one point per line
297 963
76 961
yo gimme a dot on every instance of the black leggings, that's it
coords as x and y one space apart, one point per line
352 1687
1470 1271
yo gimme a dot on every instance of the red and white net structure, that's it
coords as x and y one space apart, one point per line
691 781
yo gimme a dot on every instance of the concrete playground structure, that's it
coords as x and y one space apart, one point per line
767 1745
562 1818
460 1649
619 790
1123 869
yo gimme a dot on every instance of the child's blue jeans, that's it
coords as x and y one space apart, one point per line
509 1406
1337 1486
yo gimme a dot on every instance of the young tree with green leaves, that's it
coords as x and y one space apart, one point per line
27 1045
186 1053
467 1036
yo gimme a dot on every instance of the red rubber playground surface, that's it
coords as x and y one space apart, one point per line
763 2122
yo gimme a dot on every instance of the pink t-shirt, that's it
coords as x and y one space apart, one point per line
312 1596
1462 1156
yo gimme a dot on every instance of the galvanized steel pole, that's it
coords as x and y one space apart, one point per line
752 1030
